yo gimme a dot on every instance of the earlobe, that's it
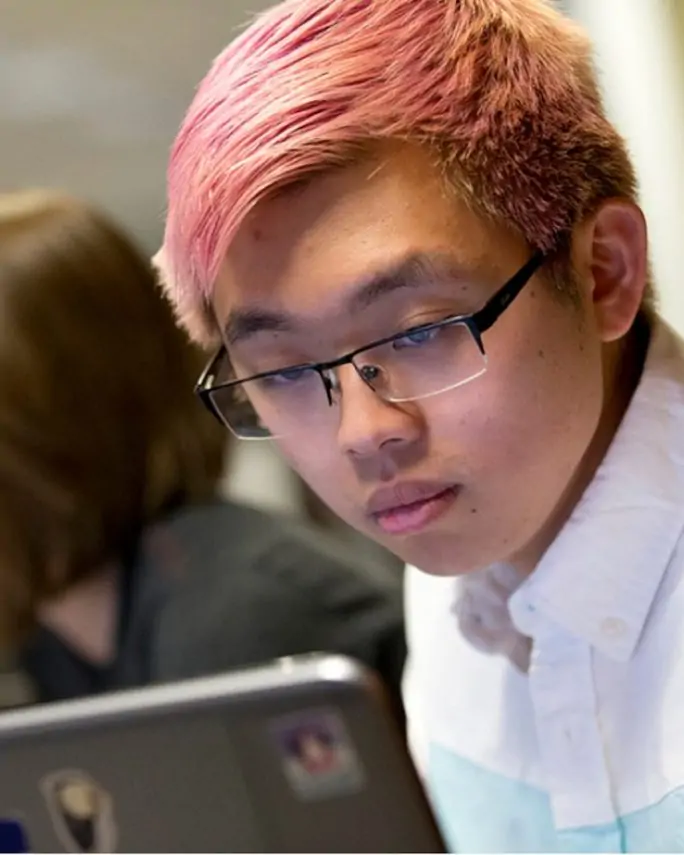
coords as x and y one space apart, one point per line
618 264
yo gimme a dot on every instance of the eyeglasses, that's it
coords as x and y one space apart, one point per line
413 364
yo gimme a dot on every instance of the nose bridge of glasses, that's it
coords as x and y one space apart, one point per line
331 382
333 373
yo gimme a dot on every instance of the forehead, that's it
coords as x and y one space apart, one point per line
302 250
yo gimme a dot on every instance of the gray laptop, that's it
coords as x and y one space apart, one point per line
301 755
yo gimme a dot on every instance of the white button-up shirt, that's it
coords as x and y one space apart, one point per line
549 715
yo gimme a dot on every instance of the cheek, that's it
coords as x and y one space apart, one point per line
527 421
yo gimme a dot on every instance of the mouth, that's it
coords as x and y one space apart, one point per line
413 516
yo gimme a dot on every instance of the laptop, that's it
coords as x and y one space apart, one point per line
300 755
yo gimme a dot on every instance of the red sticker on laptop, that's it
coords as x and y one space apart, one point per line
319 759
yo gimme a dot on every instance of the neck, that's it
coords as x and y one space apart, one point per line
623 365
85 616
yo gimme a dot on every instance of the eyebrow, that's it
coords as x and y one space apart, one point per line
412 271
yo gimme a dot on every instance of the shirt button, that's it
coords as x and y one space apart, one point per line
613 627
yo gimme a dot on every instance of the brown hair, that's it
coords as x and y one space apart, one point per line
99 431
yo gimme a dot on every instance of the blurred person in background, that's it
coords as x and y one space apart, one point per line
119 564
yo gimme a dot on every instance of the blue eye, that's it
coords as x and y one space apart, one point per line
293 374
417 338
287 377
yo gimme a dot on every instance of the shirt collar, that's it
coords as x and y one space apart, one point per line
600 576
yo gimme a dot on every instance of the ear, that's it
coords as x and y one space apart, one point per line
614 249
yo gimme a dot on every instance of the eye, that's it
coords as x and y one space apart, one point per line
417 338
288 377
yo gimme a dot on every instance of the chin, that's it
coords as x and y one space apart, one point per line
438 554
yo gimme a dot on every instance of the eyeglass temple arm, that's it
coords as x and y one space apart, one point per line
209 370
497 305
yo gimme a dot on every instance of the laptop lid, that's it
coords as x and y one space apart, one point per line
301 755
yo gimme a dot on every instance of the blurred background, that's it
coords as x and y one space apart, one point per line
92 91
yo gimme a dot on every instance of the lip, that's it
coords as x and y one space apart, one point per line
408 507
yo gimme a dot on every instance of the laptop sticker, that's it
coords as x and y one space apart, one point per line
13 837
81 810
319 760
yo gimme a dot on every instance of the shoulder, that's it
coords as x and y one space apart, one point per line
246 586
223 541
209 563
658 662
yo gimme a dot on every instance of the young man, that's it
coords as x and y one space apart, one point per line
413 237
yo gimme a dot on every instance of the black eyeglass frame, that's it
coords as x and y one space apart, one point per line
477 322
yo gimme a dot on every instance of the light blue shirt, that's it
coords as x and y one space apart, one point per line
579 747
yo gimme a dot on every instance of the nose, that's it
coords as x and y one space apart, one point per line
368 424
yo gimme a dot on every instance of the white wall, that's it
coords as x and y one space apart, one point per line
639 50
257 475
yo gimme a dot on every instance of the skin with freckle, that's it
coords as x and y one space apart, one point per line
293 191
419 211
493 437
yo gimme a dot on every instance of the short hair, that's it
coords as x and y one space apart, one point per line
100 433
504 93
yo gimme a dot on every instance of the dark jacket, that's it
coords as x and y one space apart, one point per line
223 586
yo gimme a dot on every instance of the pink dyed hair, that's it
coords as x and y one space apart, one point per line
503 91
